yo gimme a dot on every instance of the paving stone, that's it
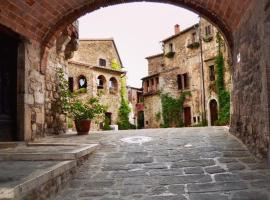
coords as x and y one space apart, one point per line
194 170
177 189
214 170
143 160
166 170
185 179
226 177
193 163
235 166
203 196
216 187
250 195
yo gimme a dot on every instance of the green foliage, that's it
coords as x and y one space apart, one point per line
107 124
223 95
124 109
172 109
194 45
170 54
115 65
158 116
207 38
80 91
75 107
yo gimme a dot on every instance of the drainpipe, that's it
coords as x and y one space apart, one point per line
202 75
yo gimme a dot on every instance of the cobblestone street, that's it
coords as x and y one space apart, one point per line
172 164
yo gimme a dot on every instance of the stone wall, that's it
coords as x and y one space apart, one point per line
250 97
152 106
90 51
34 93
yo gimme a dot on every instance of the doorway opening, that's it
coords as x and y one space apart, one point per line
213 111
8 86
187 116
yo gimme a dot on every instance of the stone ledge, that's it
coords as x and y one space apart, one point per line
35 182
55 151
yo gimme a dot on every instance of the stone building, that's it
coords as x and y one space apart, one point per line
179 69
135 99
97 67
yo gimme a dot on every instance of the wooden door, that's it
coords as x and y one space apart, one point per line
213 111
187 116
8 87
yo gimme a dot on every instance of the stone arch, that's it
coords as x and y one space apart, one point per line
113 85
82 82
101 82
209 108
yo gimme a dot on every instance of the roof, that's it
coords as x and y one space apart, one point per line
156 55
153 75
104 39
96 67
182 32
135 88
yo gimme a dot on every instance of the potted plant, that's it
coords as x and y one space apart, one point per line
81 111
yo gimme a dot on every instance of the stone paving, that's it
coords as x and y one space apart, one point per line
176 164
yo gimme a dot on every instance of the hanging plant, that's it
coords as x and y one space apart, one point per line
170 54
208 38
194 45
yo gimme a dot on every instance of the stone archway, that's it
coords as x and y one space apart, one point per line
244 24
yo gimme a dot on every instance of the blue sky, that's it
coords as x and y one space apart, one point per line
137 29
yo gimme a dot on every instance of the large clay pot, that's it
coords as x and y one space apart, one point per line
82 126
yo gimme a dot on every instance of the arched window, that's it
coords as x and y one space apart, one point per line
82 82
113 85
101 82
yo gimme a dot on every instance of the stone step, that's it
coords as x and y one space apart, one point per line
47 151
36 181
38 170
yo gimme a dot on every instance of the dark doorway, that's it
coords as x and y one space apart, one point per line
108 117
213 111
187 116
8 87
140 120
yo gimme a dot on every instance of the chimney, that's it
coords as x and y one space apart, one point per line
176 29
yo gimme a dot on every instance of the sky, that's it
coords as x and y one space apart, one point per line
137 29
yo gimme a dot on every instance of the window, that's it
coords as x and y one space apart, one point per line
179 82
194 39
170 47
82 82
113 85
101 82
186 82
194 119
212 73
199 119
182 81
71 84
102 62
208 30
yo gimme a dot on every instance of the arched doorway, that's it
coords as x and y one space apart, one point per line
213 106
8 86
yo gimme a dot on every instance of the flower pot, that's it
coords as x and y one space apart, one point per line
82 126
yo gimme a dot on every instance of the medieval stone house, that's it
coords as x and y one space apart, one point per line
186 64
96 66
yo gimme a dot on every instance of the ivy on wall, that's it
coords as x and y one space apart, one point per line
223 95
124 109
172 109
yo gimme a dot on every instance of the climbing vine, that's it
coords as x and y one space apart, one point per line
172 109
124 109
223 95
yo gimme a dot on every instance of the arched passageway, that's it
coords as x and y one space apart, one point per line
244 23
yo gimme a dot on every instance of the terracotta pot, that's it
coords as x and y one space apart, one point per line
82 126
